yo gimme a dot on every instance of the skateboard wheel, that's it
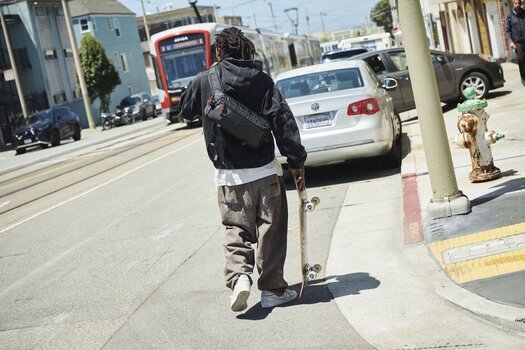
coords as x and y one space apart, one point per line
315 201
311 275
308 207
317 268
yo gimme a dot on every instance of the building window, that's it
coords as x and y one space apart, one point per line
59 98
130 89
110 23
84 25
50 54
40 11
117 26
59 12
68 52
124 62
94 23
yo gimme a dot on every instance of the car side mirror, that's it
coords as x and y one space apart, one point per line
390 83
440 59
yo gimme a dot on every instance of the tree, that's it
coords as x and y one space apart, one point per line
382 15
100 74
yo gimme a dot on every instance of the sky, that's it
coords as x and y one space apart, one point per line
336 14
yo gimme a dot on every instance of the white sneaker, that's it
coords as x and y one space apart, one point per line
270 299
240 295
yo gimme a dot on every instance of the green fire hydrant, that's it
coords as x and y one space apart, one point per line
473 135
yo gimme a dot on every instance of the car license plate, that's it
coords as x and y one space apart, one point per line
26 141
317 120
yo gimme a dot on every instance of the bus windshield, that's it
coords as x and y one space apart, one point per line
182 57
181 66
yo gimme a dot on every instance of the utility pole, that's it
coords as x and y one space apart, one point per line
322 14
146 27
446 200
308 22
273 16
13 64
78 66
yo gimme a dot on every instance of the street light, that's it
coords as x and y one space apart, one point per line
193 4
295 22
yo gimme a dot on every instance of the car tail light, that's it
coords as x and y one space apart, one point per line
367 106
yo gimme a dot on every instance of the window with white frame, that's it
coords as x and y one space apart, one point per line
124 62
130 89
115 59
116 24
50 54
94 23
84 25
110 23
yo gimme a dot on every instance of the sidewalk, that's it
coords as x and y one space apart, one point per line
434 283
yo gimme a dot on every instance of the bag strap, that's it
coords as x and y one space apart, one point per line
213 79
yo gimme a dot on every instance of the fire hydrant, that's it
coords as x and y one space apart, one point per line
473 135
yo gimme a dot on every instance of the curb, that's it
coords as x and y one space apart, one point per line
504 315
500 314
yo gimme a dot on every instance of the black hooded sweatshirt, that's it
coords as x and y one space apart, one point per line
245 81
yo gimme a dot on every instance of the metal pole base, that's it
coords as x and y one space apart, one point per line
449 206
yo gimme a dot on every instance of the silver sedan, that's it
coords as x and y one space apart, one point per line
343 112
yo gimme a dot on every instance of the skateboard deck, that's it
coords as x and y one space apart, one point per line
309 271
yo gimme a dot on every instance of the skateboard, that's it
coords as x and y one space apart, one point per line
309 271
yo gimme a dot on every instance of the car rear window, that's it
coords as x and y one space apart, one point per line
316 83
341 55
130 101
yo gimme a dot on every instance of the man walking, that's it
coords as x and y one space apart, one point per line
515 28
251 193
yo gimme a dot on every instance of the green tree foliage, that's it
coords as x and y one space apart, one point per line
381 15
99 72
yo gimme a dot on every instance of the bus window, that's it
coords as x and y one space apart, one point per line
293 57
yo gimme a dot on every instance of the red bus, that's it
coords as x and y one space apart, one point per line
180 53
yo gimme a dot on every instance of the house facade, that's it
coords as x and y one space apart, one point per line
38 35
115 26
464 26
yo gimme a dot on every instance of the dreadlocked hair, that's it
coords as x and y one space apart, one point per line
231 42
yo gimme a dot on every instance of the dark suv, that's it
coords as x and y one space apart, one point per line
46 128
342 54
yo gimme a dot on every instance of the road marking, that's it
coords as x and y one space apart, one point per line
50 171
97 187
4 204
481 265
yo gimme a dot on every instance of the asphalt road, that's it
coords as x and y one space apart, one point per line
119 246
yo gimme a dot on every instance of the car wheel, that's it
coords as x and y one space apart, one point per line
478 81
76 135
55 138
20 150
393 158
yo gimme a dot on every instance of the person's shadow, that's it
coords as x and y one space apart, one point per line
317 292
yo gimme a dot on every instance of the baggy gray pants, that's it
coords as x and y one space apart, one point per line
255 212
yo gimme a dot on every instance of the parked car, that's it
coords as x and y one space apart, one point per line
158 107
337 55
45 128
140 105
342 113
454 73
